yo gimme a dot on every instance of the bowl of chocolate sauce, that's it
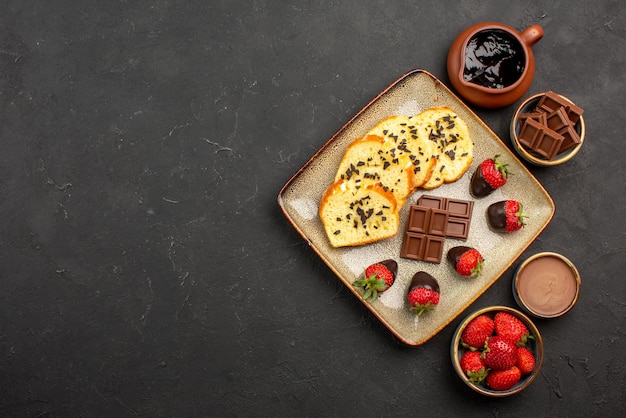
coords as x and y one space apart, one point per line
491 64
546 285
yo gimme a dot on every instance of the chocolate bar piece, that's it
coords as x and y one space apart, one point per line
413 246
556 132
549 144
419 219
438 222
457 228
570 138
432 220
460 208
422 247
433 249
530 133
557 120
537 116
540 139
551 102
434 202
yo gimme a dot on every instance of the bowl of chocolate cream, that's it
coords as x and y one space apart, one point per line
546 285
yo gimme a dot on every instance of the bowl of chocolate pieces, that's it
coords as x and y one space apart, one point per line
547 129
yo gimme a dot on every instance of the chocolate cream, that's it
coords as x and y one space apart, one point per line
547 286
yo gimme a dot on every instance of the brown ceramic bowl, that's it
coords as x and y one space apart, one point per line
527 106
535 344
489 97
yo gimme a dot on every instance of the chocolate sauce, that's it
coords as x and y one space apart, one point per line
455 253
496 215
423 279
479 186
494 59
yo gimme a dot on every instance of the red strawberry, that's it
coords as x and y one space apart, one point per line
509 326
506 216
423 294
467 261
477 331
500 353
378 278
525 360
473 366
490 175
503 379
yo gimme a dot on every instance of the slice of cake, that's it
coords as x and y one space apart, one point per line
356 216
401 137
371 160
450 136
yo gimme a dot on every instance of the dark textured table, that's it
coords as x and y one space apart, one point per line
145 267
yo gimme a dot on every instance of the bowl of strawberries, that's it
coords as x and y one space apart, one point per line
497 351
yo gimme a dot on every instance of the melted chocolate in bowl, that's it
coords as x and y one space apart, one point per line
493 58
548 286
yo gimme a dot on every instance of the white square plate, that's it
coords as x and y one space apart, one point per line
412 93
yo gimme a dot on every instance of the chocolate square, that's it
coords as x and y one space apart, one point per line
570 138
548 144
457 228
433 250
413 246
438 222
530 133
460 208
551 101
419 219
574 113
536 115
558 119
434 202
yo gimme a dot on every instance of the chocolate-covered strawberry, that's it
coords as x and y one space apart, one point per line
378 278
490 175
467 261
423 294
506 216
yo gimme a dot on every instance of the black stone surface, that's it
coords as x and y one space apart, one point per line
145 267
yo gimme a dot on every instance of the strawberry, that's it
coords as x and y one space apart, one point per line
509 326
476 332
503 379
467 261
525 360
423 294
473 366
506 216
500 353
378 278
490 175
